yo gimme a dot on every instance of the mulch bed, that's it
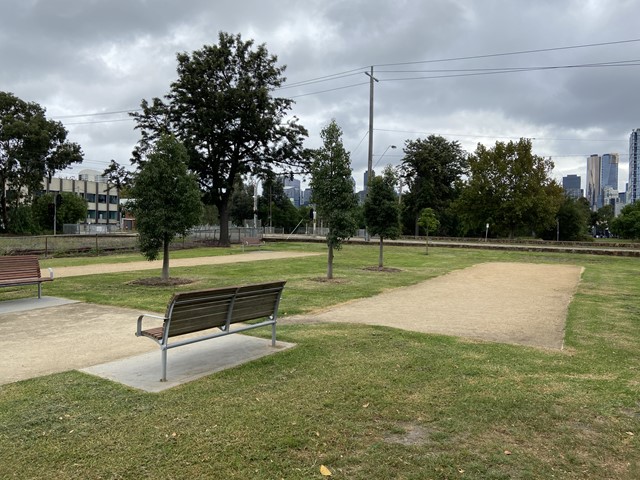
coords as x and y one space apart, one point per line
159 282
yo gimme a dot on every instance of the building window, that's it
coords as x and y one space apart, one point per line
102 199
113 215
91 214
91 197
113 199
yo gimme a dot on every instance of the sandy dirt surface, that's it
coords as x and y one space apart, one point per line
63 272
503 302
516 303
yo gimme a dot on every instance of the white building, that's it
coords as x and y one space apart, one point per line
102 201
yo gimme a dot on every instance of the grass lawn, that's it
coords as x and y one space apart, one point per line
366 402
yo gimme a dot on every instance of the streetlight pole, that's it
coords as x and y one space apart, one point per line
385 151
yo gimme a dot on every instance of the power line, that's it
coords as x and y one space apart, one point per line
357 71
471 135
96 114
517 52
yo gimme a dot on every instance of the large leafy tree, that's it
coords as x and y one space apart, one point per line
332 188
432 169
573 221
627 224
510 188
223 109
71 209
31 148
166 199
382 210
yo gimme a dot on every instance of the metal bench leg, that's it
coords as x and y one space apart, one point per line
164 365
39 290
273 335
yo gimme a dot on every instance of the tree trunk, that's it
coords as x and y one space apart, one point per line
223 210
380 255
330 263
165 258
3 207
427 243
417 232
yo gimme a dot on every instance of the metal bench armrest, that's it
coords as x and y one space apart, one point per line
139 326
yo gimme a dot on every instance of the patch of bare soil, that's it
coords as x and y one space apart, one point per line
329 280
159 282
518 303
411 435
382 269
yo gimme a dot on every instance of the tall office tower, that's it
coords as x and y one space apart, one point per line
572 186
609 177
633 189
366 180
594 171
292 190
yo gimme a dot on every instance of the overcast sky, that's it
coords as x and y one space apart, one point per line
81 59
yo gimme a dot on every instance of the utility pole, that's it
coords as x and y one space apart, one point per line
370 154
372 79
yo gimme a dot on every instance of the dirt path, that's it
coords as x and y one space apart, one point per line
516 303
63 272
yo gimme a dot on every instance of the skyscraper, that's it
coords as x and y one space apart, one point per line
633 189
609 177
572 186
594 172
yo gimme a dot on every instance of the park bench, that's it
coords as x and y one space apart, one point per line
207 310
22 270
252 242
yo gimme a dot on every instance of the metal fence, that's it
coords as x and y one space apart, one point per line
99 241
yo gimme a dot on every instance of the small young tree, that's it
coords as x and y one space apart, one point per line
429 222
166 199
333 189
382 210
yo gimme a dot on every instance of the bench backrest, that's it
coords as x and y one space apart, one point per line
214 308
19 267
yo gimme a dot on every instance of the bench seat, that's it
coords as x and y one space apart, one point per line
22 270
213 312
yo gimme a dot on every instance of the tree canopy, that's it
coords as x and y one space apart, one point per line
274 206
627 224
31 148
72 209
332 188
511 189
381 209
166 199
223 109
432 169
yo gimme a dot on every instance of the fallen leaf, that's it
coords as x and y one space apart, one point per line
365 405
507 452
325 471
630 433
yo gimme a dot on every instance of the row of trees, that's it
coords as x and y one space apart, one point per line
220 123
